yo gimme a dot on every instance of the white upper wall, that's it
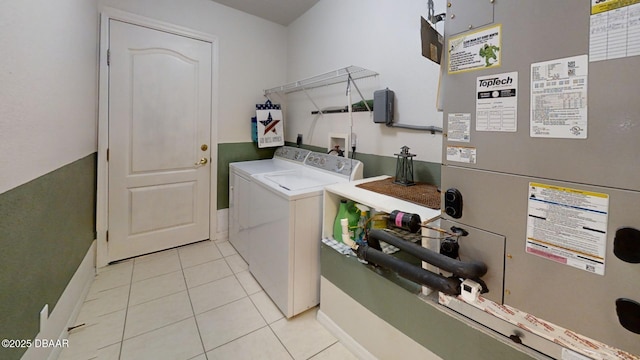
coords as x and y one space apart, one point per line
252 54
48 74
48 86
380 35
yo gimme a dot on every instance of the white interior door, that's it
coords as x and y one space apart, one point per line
159 140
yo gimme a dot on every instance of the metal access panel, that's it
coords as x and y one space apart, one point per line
576 299
485 247
466 15
540 31
504 169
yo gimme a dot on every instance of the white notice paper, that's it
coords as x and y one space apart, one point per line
463 154
497 102
559 98
475 50
568 226
614 29
459 127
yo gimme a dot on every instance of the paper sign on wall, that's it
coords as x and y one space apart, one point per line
559 98
459 127
463 154
270 125
568 226
475 50
614 29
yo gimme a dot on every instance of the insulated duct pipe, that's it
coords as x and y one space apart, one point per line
449 286
470 270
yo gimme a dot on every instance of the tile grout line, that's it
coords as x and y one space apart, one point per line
261 315
126 313
324 349
240 337
271 329
160 297
234 301
248 296
192 309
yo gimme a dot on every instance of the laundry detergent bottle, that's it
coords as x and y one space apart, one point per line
349 211
363 223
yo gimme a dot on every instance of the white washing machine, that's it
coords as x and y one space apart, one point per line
240 176
286 228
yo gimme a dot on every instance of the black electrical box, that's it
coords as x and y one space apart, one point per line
383 106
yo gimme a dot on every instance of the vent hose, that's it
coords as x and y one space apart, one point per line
466 270
449 286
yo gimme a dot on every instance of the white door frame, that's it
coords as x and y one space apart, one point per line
102 196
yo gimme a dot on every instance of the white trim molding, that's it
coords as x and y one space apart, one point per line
54 327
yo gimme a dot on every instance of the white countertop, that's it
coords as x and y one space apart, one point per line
380 202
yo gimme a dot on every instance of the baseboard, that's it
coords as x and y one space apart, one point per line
222 235
66 310
350 343
364 333
222 232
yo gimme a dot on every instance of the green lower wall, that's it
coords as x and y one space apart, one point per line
401 307
374 165
46 229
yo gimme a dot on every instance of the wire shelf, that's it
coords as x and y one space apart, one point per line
326 79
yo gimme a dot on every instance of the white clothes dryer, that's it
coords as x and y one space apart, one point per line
286 228
240 177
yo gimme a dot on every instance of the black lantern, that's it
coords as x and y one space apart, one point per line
404 167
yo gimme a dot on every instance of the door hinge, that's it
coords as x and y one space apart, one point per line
107 236
107 154
108 57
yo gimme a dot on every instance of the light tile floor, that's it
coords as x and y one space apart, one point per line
195 302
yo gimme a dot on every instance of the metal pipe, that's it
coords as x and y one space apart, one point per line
449 286
432 129
466 270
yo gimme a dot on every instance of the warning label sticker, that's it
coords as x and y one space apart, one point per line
568 226
463 154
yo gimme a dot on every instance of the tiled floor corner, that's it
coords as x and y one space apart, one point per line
197 302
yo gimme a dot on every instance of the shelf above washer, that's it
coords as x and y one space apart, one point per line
329 78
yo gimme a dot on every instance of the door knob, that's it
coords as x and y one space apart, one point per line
202 161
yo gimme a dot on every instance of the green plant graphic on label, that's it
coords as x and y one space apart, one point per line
488 52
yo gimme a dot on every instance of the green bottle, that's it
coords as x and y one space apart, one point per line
349 211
